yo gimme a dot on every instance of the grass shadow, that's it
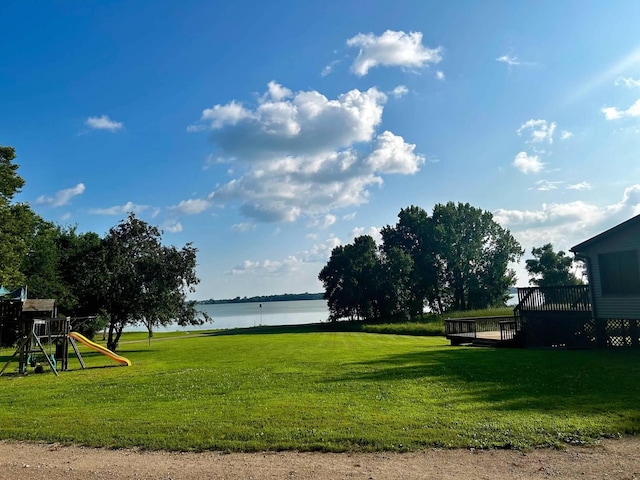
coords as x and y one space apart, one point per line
579 382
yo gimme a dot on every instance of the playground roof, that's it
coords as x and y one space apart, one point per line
38 305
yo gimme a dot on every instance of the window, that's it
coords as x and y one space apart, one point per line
619 273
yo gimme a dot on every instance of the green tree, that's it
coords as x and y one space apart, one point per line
138 280
473 254
17 221
550 269
413 234
350 280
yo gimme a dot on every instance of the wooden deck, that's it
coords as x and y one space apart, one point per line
544 317
496 331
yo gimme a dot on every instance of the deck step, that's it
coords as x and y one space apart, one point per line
485 342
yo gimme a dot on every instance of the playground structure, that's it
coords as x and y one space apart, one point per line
44 339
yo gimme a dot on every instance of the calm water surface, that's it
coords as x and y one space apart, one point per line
240 315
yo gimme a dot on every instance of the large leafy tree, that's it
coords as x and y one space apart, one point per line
17 221
548 268
136 279
350 280
473 254
413 235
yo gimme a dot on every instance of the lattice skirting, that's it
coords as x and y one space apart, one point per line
564 332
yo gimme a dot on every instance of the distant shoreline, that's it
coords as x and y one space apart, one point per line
285 297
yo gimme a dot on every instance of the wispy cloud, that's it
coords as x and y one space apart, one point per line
540 131
103 123
627 82
510 60
440 75
399 91
119 209
329 68
62 197
391 49
565 135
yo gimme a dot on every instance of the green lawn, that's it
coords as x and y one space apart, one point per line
295 388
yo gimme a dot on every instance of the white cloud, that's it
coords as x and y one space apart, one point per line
267 267
567 224
62 197
172 226
580 186
565 135
540 130
509 60
393 155
628 82
221 115
392 49
322 222
301 155
528 163
119 209
440 75
192 206
546 185
277 92
373 232
399 91
329 68
103 123
243 227
613 113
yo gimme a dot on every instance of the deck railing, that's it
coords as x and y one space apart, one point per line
471 327
554 299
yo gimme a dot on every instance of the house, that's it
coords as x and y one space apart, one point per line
604 313
612 259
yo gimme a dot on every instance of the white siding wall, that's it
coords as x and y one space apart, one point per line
614 306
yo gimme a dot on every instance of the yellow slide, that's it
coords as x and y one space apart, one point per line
100 349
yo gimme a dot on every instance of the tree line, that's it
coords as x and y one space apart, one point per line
456 258
125 277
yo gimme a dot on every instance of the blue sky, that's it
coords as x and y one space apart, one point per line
267 133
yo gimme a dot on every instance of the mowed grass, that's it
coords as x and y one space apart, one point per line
292 388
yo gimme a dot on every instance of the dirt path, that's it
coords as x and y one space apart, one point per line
612 459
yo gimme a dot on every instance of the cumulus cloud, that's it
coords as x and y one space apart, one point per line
613 113
119 209
391 49
302 154
103 123
528 163
539 130
192 206
62 197
567 224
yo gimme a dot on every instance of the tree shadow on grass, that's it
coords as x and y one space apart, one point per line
578 382
282 329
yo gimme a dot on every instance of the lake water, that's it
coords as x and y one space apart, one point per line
242 315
